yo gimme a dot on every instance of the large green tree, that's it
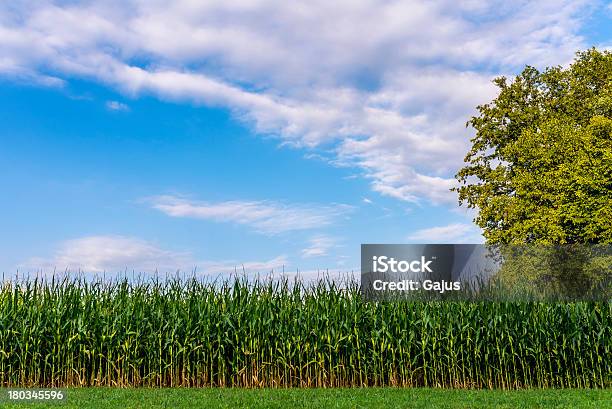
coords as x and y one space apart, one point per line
540 166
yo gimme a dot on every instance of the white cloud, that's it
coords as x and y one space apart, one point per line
386 87
452 233
275 265
117 106
115 254
264 216
340 276
95 254
319 246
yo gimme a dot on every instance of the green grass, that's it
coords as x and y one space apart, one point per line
236 333
177 398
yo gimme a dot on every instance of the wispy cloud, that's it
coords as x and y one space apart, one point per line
264 216
391 104
452 233
319 246
117 106
274 265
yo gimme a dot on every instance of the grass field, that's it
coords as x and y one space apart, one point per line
177 398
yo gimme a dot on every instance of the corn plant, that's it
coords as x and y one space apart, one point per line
241 333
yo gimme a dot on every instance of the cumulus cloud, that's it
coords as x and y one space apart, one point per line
264 216
95 254
452 233
114 254
384 87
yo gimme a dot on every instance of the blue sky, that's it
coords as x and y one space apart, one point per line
139 136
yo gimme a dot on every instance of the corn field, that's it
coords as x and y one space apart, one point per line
278 334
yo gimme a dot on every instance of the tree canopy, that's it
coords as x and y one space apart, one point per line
540 166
